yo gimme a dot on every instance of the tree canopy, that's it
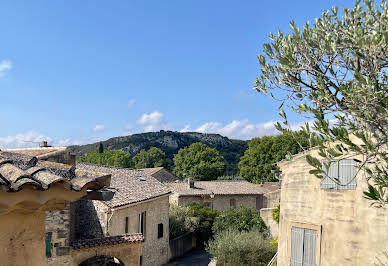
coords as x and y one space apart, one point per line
153 157
200 162
240 219
108 158
262 154
336 69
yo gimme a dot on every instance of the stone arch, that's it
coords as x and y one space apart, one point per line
102 260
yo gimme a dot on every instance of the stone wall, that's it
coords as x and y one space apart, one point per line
87 221
155 250
272 199
349 230
220 203
272 226
58 230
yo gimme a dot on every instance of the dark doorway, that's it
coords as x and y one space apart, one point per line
102 261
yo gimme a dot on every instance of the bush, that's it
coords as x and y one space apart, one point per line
206 217
241 248
241 219
276 214
180 221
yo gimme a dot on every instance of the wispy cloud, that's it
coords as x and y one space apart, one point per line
153 122
32 139
131 102
5 65
239 129
99 128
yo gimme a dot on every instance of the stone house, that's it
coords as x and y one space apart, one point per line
323 222
140 205
33 182
222 195
161 174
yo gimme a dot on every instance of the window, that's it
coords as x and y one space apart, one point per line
142 223
160 230
341 175
232 203
259 202
141 260
303 246
207 204
126 225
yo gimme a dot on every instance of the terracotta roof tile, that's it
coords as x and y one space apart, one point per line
132 185
222 188
18 170
107 241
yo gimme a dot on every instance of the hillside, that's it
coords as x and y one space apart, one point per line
170 142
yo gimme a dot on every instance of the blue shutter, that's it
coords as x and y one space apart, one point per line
309 247
297 235
330 175
347 174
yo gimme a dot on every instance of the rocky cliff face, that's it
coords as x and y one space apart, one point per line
170 142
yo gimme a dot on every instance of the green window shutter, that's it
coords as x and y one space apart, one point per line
48 247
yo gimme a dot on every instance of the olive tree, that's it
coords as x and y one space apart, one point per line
334 72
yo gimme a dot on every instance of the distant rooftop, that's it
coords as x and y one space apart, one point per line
40 152
222 188
132 185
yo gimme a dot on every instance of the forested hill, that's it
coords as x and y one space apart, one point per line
170 142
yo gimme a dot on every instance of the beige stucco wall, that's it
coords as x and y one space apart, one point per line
350 230
220 203
155 251
272 225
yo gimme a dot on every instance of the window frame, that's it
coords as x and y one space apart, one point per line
232 203
160 230
316 227
327 182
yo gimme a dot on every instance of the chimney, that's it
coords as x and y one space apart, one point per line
190 183
43 144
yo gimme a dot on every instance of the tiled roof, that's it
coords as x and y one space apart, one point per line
19 170
132 185
222 188
40 153
107 241
161 174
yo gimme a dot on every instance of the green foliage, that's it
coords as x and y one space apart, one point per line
336 69
240 219
153 157
108 158
258 160
276 214
241 248
200 162
100 148
205 218
180 222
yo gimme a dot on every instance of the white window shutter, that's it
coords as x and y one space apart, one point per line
330 175
347 174
309 247
297 235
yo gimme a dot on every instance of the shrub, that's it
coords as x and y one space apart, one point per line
206 217
108 158
241 248
241 219
276 214
180 222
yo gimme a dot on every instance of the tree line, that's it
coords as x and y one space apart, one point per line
202 162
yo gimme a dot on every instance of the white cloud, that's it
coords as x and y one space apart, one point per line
4 66
32 139
239 129
99 128
131 102
153 122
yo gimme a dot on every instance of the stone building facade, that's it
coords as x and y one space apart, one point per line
327 223
140 205
222 195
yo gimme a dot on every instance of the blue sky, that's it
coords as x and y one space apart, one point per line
81 71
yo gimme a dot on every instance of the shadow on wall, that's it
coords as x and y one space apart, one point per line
87 223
